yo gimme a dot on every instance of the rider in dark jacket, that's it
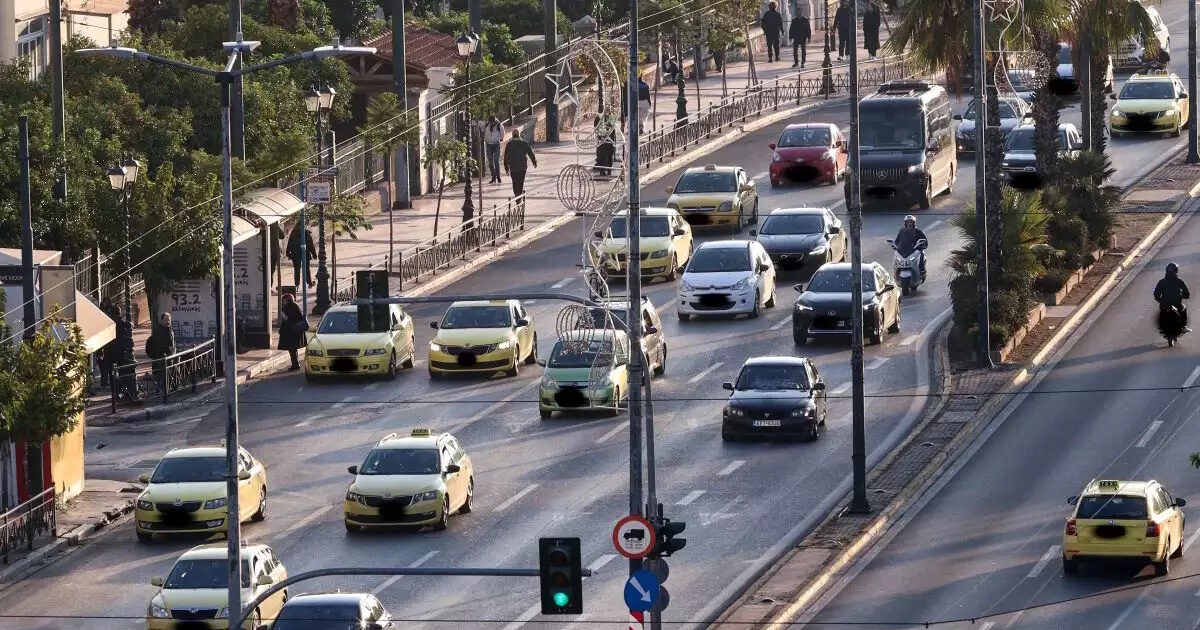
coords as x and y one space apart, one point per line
906 240
1171 292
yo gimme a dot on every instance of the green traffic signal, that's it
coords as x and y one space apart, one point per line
561 599
561 572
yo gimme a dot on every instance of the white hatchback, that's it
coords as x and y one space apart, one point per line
727 278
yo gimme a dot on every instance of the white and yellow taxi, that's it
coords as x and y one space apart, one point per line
195 593
715 195
588 369
666 244
340 346
186 493
410 480
1136 522
483 337
1154 102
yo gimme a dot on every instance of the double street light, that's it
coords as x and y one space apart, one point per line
226 77
122 177
467 43
319 104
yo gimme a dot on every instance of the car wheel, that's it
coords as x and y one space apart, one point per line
774 184
412 356
516 368
1164 567
895 327
814 433
771 301
950 185
926 197
662 361
1176 132
444 520
261 514
545 413
616 410
672 268
877 334
145 537
391 368
532 358
726 434
683 317
1179 551
469 503
799 337
351 528
1070 567
754 214
754 313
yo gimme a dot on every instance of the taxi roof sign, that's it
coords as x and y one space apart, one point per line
710 167
421 433
1108 484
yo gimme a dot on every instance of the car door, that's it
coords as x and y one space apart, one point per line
376 614
454 484
688 243
524 333
652 340
843 154
247 488
1177 528
891 298
767 277
814 377
1181 101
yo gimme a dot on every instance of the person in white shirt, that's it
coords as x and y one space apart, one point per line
493 135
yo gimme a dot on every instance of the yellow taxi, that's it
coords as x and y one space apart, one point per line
1154 101
1124 521
483 337
588 369
410 480
195 593
341 347
666 244
186 493
715 195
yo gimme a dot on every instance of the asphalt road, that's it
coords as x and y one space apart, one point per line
568 476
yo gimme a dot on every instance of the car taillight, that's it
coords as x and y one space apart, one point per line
1071 528
1151 530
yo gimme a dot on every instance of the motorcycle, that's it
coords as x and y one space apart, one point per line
908 268
1171 322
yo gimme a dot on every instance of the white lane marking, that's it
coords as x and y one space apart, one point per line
910 340
760 175
733 465
1150 431
302 423
708 370
987 626
529 613
615 430
516 497
372 386
601 561
305 522
695 494
530 302
876 363
490 409
338 405
1191 539
1129 610
396 578
840 389
934 224
561 283
783 322
1191 380
1053 551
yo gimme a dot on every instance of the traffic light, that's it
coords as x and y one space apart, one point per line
560 569
372 284
666 543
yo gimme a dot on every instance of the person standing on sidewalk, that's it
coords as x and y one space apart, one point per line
517 155
871 29
644 105
493 135
292 326
841 21
294 254
800 32
159 346
772 26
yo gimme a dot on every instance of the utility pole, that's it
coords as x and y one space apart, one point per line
29 314
403 198
858 457
1192 157
56 96
634 279
550 87
475 25
238 121
979 44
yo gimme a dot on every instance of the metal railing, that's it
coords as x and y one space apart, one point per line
484 230
156 379
358 167
24 524
344 288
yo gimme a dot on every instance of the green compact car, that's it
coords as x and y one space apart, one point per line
587 370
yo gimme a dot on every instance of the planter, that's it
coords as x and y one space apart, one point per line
1056 298
1035 317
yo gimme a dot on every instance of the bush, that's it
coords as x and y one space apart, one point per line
1052 281
1081 183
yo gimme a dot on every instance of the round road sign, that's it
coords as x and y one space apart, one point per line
633 537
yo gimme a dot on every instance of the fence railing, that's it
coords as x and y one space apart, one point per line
109 274
358 167
484 230
24 524
344 288
156 379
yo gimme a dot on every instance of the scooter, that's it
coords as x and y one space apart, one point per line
1170 323
908 268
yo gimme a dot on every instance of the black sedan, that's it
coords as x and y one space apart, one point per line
780 397
799 238
825 307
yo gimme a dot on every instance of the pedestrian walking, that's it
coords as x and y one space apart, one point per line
841 22
871 23
292 326
493 135
299 262
517 155
606 150
671 70
123 360
644 105
772 26
800 32
107 355
159 346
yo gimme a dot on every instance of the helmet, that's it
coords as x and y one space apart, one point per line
911 218
1172 268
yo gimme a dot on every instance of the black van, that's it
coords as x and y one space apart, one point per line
906 145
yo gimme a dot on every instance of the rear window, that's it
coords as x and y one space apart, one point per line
1114 506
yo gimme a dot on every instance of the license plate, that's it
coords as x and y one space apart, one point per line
768 423
841 323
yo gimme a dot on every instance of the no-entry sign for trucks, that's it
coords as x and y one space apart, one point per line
633 537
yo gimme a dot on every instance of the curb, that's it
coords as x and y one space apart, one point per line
23 567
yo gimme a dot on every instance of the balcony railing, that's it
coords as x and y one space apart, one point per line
23 525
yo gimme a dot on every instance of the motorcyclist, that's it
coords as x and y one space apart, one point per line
1171 292
907 238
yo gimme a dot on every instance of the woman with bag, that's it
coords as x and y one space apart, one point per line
292 327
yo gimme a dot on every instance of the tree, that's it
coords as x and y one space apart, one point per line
494 87
1047 105
447 155
345 217
283 13
350 17
389 126
1083 184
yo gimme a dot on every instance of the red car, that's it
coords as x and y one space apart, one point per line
808 152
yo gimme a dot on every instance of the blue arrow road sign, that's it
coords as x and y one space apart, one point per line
641 590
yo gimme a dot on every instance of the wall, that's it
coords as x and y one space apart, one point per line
103 30
66 461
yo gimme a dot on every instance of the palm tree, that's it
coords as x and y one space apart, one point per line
1083 184
1046 105
389 128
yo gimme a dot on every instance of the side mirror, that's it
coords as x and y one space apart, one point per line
933 146
888 287
771 145
353 470
1180 502
958 117
374 626
818 386
452 468
522 322
921 242
650 330
761 268
669 189
243 475
679 232
1072 500
144 478
833 229
1028 115
266 580
799 287
728 386
1112 97
156 581
433 325
753 233
541 362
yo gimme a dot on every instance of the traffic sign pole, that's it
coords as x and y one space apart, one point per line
637 620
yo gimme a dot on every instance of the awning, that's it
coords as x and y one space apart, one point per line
243 230
268 206
95 327
12 256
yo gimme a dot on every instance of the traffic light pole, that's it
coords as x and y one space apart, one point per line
634 280
858 456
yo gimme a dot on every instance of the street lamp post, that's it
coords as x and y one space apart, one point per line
320 106
122 177
226 78
467 43
827 63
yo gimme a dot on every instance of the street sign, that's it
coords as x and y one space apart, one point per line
325 172
319 192
641 590
633 537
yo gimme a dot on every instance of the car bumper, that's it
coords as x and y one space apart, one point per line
797 261
443 363
423 513
601 399
1164 124
710 217
157 623
1013 173
716 302
816 326
783 169
751 427
198 522
650 267
347 366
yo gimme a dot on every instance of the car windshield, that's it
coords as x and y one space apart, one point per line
793 224
572 356
477 317
1064 54
339 323
1016 78
401 461
207 573
717 259
318 617
805 137
1147 90
1006 111
706 182
189 470
1023 139
600 318
772 377
838 281
891 128
1111 506
651 226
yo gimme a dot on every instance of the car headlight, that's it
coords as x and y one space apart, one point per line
504 345
916 168
818 250
726 206
1004 163
1118 113
313 351
684 286
548 381
143 504
224 614
355 497
435 347
432 495
775 156
673 206
213 504
734 411
742 284
829 156
158 611
803 411
374 351
658 253
804 308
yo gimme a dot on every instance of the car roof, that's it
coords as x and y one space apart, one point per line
775 360
734 244
806 211
1061 126
1118 486
195 451
809 125
712 168
217 551
594 334
416 438
1153 76
845 266
483 303
649 212
621 305
327 599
